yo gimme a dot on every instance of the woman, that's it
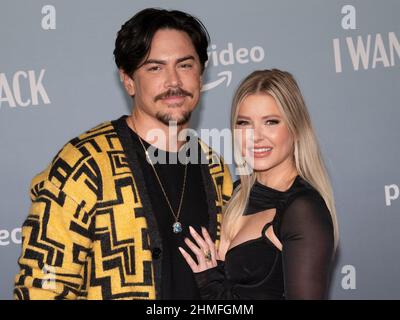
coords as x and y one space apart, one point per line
279 230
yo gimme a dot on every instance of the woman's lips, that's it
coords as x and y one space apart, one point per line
260 152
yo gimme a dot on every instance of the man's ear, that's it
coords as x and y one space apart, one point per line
128 82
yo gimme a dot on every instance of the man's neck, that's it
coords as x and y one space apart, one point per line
155 132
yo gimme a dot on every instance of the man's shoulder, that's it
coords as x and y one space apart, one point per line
91 145
99 139
219 169
213 157
104 130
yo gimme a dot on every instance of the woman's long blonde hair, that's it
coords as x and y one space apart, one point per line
307 155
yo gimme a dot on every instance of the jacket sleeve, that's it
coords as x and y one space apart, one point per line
56 235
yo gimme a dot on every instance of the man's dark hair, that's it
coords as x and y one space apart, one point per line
133 42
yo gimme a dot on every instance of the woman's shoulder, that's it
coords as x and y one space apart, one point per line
303 191
306 204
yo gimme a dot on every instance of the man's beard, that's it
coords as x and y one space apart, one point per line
166 118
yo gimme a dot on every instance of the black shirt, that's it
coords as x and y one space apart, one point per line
256 269
177 280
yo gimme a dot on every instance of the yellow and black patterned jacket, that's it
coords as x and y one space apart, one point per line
90 233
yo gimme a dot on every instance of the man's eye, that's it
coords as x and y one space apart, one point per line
154 68
271 122
186 66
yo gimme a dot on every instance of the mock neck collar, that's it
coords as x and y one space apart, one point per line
263 197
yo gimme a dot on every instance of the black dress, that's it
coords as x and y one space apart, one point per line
257 269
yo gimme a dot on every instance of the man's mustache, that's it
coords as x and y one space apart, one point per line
173 92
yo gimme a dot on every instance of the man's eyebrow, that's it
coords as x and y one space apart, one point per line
163 62
149 61
185 58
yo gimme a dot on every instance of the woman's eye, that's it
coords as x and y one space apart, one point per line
242 122
271 122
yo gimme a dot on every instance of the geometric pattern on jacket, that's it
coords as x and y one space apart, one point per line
90 232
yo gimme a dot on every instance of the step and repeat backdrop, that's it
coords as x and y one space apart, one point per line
58 79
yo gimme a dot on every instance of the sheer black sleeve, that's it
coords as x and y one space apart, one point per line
213 284
307 237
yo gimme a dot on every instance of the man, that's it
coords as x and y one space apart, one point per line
106 220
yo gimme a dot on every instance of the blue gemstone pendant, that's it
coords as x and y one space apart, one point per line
177 227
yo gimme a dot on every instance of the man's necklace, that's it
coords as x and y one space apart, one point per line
177 226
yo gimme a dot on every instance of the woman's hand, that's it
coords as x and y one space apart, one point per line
205 251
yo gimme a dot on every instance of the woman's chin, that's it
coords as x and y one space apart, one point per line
260 166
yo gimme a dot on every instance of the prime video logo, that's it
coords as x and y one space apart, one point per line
228 57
